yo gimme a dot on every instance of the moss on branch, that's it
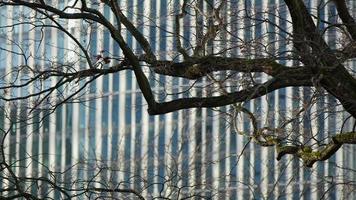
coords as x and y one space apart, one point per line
310 156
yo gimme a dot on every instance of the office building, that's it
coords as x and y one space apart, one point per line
107 133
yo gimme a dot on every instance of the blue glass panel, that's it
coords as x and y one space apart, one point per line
151 156
58 134
247 157
15 48
209 149
93 43
3 17
127 163
3 52
128 109
105 115
115 127
60 43
152 27
91 126
82 126
106 49
48 46
161 152
162 30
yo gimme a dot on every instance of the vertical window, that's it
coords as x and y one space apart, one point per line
3 52
61 46
48 46
69 123
105 120
106 49
46 136
58 134
91 127
246 164
163 27
115 127
152 27
82 125
150 162
209 150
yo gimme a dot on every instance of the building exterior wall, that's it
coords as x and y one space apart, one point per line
196 150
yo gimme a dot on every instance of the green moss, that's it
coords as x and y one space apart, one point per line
308 155
307 149
345 137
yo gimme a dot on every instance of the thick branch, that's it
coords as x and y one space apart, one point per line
309 156
230 98
342 85
304 27
56 11
346 17
198 68
324 64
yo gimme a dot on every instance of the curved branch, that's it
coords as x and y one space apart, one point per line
56 11
309 157
234 97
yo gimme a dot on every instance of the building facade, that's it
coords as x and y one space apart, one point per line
107 137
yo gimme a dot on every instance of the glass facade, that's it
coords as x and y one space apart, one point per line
109 138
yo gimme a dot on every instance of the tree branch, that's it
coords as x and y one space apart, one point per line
346 17
309 156
197 68
229 98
